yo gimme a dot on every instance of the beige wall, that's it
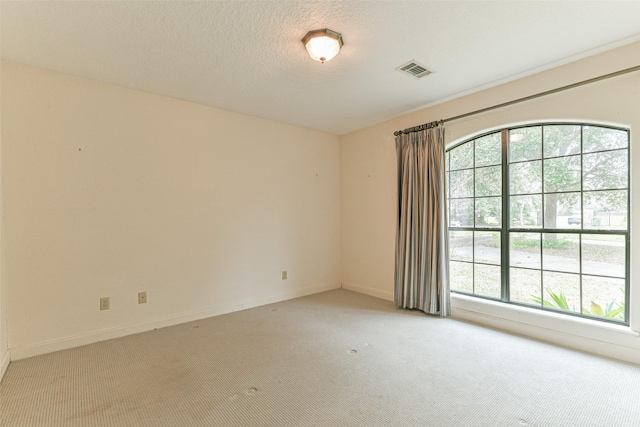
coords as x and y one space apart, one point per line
369 189
4 344
111 191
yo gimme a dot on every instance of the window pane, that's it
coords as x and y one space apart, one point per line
561 252
489 181
461 245
603 255
605 210
525 178
487 280
561 291
598 138
461 157
461 214
524 250
447 180
489 150
562 174
446 160
561 140
525 144
526 211
461 183
489 212
562 210
573 179
461 276
524 286
605 171
487 247
603 297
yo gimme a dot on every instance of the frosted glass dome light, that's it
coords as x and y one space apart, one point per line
323 45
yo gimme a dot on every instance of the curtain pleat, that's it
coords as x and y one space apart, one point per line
422 253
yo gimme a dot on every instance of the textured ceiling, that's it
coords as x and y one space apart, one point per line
246 56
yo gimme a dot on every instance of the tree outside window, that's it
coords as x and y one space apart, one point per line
562 243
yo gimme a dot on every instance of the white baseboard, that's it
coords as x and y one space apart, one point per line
386 295
18 353
4 363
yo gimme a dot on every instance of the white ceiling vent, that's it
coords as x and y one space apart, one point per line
414 69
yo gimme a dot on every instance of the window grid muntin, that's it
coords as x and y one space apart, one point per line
474 198
506 227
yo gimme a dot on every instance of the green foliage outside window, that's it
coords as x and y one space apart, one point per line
566 187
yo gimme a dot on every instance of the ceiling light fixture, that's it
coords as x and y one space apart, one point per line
323 45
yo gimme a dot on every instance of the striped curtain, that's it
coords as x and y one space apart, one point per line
422 248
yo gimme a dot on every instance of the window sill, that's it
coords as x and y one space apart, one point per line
541 324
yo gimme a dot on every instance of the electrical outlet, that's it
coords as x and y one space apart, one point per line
104 303
284 274
142 297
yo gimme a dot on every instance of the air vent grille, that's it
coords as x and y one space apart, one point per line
414 69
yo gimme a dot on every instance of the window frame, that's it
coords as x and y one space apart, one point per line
506 229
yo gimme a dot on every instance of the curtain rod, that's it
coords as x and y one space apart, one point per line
516 101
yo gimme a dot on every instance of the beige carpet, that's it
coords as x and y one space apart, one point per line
332 359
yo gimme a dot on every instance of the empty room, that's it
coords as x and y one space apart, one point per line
319 213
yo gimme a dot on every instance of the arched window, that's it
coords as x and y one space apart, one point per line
539 216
